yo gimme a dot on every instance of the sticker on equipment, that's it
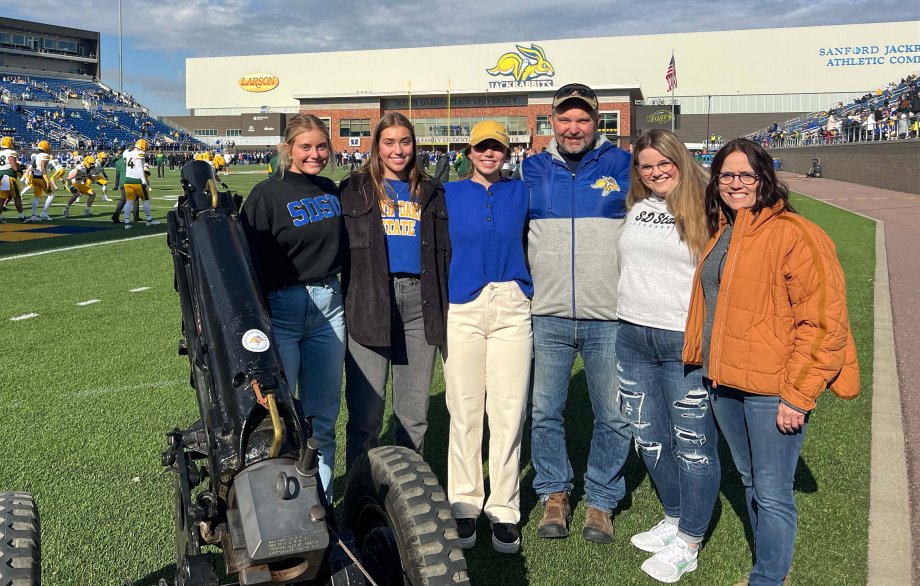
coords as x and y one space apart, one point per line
255 341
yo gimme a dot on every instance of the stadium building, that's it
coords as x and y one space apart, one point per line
50 89
729 83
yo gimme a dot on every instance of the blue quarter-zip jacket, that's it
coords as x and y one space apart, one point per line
575 225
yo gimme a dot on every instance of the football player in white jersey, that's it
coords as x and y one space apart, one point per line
136 184
10 171
42 183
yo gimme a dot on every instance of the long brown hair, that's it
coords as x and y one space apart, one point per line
686 201
374 165
296 125
770 189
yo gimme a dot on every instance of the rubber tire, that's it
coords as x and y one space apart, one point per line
396 482
20 551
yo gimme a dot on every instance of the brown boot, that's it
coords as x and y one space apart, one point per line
598 526
556 516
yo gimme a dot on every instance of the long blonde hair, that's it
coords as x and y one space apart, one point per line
374 165
296 125
687 200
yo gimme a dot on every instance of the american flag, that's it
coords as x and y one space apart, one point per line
671 75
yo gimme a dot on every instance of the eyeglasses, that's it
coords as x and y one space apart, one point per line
746 178
663 167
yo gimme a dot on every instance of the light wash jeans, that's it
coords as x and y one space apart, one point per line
557 341
672 423
309 326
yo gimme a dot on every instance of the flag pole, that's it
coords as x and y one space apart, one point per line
672 92
448 115
410 100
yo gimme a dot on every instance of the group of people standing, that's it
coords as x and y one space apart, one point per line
693 300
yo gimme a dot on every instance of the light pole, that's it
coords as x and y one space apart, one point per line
121 88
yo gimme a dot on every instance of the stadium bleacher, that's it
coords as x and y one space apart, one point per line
80 113
890 113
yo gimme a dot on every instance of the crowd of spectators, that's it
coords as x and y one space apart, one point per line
889 113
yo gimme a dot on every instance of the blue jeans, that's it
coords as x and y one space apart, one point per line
557 341
309 326
672 423
766 459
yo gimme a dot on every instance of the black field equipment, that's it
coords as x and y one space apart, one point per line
20 555
247 477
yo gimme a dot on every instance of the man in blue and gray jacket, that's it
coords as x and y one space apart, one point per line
577 209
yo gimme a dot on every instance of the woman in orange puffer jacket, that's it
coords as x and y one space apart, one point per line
768 323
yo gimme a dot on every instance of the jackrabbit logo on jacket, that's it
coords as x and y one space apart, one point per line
606 185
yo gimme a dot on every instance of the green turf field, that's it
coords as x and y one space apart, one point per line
90 389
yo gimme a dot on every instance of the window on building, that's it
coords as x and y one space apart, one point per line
609 124
5 38
543 126
328 122
49 44
68 46
232 132
19 40
205 132
354 127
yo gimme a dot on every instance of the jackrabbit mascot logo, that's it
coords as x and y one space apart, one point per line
526 67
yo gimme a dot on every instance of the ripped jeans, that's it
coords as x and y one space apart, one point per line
672 423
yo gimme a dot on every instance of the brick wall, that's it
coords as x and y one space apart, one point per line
891 165
530 111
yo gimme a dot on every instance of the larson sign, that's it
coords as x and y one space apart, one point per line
259 82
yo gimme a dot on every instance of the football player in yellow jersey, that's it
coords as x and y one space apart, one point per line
97 175
220 164
79 183
42 182
136 182
10 170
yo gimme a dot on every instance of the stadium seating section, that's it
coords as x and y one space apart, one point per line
80 114
890 113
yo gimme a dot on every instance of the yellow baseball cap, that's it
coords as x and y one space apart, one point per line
489 129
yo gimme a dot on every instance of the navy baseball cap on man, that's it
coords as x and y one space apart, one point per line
575 91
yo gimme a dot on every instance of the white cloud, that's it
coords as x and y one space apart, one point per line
235 27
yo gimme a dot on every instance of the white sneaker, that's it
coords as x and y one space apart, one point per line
45 218
655 539
153 222
87 213
66 212
127 226
31 220
105 197
672 562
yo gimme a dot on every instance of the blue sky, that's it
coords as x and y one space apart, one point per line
160 34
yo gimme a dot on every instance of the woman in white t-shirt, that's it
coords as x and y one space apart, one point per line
665 401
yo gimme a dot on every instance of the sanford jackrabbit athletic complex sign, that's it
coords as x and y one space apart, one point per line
525 68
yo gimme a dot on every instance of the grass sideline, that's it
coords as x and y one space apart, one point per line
91 389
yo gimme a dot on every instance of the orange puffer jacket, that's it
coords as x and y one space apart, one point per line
781 325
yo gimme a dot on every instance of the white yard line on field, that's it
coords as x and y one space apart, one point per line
68 248
24 316
139 289
88 302
125 389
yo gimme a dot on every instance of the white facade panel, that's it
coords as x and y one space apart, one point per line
845 58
